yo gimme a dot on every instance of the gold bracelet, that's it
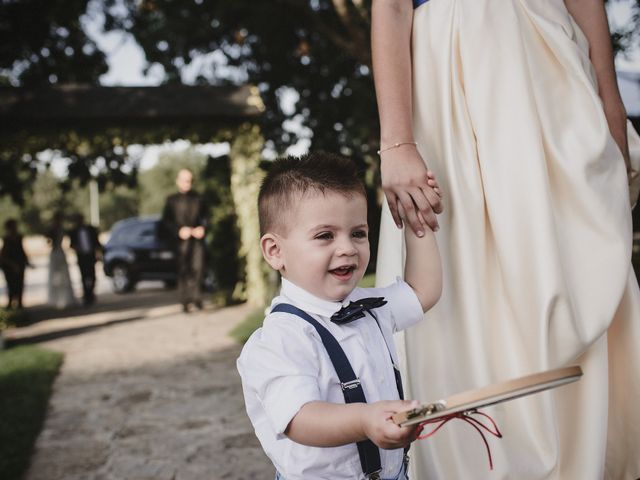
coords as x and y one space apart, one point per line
396 145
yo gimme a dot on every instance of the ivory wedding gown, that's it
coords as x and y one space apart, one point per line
536 245
60 290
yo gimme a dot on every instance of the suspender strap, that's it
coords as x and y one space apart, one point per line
398 376
351 388
396 370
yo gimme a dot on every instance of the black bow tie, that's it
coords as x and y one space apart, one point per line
356 309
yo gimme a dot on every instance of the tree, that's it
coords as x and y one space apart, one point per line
314 52
627 37
43 42
318 50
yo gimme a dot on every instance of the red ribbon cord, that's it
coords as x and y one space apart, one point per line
474 422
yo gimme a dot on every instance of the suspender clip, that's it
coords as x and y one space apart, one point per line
374 475
350 385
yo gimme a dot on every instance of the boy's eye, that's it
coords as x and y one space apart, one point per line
360 234
324 236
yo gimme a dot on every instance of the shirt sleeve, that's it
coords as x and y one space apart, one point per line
403 305
280 366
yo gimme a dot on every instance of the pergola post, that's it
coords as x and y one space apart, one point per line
246 175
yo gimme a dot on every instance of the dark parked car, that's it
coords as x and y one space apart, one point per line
136 251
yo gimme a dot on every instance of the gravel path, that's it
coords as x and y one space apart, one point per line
145 393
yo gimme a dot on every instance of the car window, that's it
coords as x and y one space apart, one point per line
136 233
147 234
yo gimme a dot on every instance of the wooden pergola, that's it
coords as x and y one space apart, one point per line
74 116
74 105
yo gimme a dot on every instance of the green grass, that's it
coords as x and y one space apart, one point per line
368 281
26 377
243 331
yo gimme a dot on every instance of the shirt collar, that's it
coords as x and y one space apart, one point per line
309 302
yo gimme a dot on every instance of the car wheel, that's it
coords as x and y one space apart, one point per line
121 278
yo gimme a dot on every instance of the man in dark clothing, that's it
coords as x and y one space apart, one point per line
84 240
184 219
13 261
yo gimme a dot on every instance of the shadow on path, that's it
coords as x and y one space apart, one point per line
109 302
47 336
153 396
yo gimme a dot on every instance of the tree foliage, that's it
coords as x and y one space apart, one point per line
318 49
43 42
313 51
626 37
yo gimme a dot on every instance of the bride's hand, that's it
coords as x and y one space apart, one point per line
407 182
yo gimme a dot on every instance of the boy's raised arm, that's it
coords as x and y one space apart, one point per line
423 269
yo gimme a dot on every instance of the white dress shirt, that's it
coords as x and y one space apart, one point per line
284 365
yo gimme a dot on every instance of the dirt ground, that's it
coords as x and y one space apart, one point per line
146 392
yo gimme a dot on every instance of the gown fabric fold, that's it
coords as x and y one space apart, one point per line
536 245
60 290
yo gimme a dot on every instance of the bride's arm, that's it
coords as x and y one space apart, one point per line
404 174
591 17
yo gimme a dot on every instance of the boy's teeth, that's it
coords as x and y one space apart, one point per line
342 269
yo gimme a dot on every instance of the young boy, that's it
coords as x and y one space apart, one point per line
313 221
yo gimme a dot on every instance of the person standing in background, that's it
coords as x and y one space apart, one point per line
60 291
185 219
13 261
84 240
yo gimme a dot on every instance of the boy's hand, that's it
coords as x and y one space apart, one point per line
380 428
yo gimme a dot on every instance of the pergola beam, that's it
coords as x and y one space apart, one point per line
103 107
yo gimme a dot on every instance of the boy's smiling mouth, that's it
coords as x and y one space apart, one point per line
344 272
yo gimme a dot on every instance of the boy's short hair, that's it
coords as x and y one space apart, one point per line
291 177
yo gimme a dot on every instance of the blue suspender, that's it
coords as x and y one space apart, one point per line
417 3
351 388
396 370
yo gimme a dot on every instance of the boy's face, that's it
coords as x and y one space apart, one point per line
325 249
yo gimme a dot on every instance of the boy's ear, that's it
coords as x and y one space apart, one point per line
270 245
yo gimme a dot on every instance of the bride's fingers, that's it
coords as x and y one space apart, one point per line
425 208
409 212
392 201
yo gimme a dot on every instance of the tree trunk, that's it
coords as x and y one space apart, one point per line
246 176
